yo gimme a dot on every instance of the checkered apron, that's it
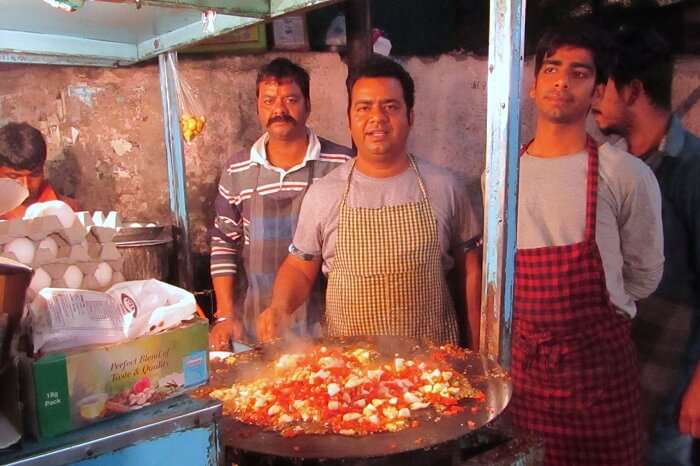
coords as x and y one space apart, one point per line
273 222
574 367
387 276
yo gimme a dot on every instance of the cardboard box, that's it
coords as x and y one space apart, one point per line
251 39
66 391
290 33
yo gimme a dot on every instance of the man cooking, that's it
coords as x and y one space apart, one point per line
589 244
636 104
22 158
260 193
385 228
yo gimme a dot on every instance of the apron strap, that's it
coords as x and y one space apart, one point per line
411 160
591 189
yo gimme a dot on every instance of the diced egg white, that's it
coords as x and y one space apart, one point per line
404 412
369 410
410 397
333 389
447 375
333 405
351 416
287 361
274 409
328 362
419 405
285 419
354 381
360 403
377 402
390 412
393 400
374 419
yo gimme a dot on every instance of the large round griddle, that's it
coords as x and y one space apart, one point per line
482 372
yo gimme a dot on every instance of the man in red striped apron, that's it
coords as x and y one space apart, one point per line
589 245
385 227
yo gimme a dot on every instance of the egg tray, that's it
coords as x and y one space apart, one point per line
89 282
37 229
71 255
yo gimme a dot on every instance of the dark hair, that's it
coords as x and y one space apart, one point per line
282 68
580 35
644 55
378 66
22 147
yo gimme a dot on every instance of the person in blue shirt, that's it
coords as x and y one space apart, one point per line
636 104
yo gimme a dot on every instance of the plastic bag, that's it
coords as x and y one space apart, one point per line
151 306
63 318
192 119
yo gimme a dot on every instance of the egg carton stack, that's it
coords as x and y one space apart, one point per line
65 251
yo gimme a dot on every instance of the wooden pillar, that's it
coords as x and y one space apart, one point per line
359 32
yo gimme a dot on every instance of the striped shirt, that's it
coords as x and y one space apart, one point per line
240 177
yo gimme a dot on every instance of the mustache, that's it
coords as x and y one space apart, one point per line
281 119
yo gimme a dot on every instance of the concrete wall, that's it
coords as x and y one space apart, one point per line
104 126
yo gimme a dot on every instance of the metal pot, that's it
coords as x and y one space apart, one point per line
483 373
146 256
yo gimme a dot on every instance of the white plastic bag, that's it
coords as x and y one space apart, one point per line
151 306
63 318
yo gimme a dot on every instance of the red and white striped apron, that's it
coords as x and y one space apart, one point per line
574 366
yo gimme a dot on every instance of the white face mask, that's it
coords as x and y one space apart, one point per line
13 194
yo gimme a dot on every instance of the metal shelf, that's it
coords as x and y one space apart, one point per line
123 32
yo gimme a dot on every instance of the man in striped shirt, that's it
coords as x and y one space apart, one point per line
260 193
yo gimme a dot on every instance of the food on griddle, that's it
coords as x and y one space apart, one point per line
346 391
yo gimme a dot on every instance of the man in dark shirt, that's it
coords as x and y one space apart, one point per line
636 104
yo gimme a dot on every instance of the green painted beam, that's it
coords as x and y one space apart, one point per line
252 8
37 45
65 60
190 34
283 7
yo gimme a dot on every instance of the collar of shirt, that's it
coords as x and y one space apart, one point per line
670 146
258 153
673 141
